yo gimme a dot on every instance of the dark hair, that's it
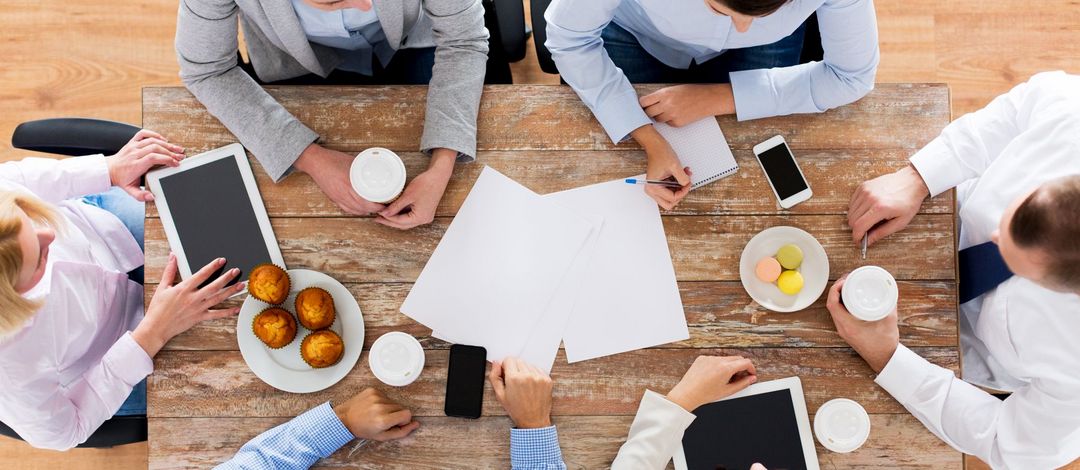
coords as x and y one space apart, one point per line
753 7
1049 220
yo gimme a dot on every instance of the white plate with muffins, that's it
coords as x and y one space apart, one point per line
299 331
776 254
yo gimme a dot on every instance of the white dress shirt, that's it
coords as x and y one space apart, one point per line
71 366
655 435
1023 338
678 32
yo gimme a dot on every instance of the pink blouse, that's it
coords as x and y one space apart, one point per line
72 365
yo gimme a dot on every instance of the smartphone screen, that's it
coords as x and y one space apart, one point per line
465 381
780 167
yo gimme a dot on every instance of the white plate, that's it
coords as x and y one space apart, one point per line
814 269
283 368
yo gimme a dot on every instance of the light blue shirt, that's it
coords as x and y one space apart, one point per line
316 434
681 32
356 34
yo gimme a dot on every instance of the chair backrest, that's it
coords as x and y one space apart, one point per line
73 136
115 431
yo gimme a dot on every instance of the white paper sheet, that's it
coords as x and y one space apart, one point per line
629 298
498 267
701 146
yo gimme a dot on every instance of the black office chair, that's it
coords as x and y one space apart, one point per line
76 137
811 51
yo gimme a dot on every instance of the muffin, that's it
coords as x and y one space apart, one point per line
275 327
315 308
322 348
269 283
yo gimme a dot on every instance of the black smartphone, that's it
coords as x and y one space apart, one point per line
465 381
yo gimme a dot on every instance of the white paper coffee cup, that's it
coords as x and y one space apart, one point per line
870 293
841 425
378 175
396 359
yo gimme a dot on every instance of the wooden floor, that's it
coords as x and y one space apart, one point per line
92 57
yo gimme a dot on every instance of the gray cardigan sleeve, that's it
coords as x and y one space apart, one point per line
206 47
461 46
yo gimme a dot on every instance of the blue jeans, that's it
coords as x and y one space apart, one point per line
132 214
641 67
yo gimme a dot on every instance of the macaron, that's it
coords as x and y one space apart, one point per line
790 256
790 282
768 269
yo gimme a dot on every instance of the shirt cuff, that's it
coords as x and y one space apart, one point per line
754 97
903 374
939 170
128 361
620 115
673 412
532 447
93 173
322 429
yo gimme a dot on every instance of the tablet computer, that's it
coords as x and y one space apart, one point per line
764 423
210 208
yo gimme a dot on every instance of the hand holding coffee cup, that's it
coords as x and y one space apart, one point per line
874 340
377 175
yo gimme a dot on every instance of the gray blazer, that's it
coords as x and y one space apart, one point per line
206 46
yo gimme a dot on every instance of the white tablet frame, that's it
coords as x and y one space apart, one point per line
239 155
802 418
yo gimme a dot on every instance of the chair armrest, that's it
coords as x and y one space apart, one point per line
539 25
73 136
506 23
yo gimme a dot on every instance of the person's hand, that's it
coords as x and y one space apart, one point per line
711 378
176 308
524 392
370 415
875 341
330 170
662 164
758 466
894 199
416 205
680 105
143 152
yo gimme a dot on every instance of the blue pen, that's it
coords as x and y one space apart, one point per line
670 184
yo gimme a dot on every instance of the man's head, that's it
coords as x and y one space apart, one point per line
1039 235
743 12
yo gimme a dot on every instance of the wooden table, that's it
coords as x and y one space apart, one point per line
204 402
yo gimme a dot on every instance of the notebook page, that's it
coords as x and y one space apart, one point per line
701 146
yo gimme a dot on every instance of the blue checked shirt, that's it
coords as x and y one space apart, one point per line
316 434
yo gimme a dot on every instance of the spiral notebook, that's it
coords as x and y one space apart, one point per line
701 146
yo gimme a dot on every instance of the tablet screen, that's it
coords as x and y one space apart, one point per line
213 216
734 434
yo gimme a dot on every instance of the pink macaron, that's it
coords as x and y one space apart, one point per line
768 269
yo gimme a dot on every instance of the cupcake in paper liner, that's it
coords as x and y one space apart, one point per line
275 327
322 348
269 283
315 308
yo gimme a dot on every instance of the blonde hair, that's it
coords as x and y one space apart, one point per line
14 308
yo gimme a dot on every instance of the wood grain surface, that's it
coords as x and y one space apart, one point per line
545 138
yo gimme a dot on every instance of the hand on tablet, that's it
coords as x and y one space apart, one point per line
892 200
662 164
524 391
330 170
176 308
370 415
145 151
417 203
711 378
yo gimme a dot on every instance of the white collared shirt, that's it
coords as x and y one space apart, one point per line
71 366
1023 337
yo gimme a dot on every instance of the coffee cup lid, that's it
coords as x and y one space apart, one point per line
377 174
870 293
396 358
841 425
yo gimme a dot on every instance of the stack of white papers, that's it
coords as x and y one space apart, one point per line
518 273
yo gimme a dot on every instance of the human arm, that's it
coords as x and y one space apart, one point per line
661 421
849 40
525 393
55 180
316 434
